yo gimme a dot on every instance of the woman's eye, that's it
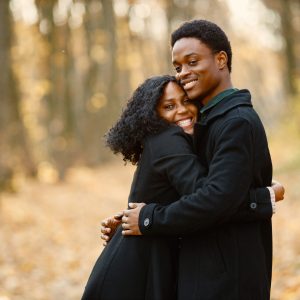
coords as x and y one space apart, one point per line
169 106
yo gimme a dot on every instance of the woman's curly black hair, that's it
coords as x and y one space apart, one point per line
139 119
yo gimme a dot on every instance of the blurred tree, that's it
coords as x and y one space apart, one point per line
57 68
14 149
289 11
101 82
91 54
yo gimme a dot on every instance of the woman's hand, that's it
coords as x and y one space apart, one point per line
279 190
109 227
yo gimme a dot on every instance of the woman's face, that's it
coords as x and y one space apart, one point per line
175 107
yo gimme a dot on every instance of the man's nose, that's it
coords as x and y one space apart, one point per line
185 70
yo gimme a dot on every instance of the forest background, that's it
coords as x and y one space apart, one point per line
68 66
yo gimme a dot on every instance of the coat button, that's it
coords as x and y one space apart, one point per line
253 205
146 222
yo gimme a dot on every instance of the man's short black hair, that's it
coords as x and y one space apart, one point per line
208 33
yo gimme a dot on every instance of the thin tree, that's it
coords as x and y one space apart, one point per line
14 145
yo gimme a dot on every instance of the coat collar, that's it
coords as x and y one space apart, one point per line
238 98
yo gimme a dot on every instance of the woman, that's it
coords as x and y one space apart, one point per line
154 132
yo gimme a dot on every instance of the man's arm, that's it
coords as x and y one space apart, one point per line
224 190
259 211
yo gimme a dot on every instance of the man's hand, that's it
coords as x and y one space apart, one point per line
279 190
109 227
130 220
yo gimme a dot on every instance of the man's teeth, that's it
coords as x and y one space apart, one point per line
186 122
190 84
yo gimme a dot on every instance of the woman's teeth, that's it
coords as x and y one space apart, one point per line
184 123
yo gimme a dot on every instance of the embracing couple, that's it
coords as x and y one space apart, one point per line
201 201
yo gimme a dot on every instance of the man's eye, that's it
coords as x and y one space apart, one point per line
192 62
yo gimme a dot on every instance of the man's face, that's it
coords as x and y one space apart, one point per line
198 68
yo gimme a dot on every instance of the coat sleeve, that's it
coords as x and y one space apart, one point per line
222 192
258 207
173 159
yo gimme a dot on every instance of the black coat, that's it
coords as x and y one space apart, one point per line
230 261
137 268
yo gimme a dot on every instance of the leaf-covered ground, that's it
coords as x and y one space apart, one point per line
49 234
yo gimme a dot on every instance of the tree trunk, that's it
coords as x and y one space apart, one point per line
14 146
289 12
58 66
102 78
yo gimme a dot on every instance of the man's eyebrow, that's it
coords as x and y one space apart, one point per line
190 54
185 56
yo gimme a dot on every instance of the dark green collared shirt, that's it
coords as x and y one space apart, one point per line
215 100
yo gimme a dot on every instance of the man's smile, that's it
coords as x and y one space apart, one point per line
189 84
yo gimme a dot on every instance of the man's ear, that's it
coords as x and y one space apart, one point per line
222 60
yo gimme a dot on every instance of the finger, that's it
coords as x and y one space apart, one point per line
104 244
125 226
132 205
124 219
127 232
105 230
118 216
104 237
104 223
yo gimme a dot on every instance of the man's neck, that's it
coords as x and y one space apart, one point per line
225 85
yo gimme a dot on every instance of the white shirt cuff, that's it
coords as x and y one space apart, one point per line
273 200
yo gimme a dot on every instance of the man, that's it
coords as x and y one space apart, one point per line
219 259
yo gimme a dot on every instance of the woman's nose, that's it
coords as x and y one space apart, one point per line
181 109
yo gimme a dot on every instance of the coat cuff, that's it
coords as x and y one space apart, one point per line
146 218
260 202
